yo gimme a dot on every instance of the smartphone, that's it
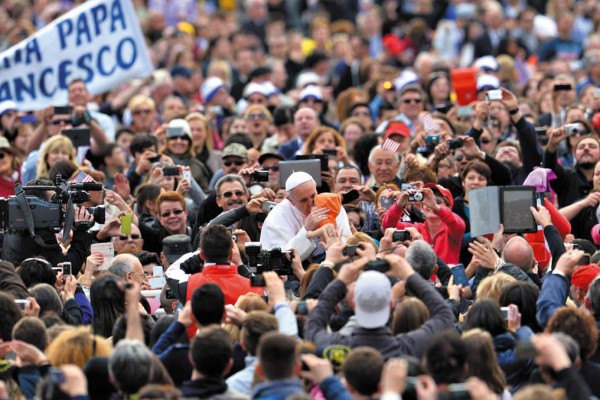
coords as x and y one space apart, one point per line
350 196
330 152
66 267
22 303
301 308
187 175
63 110
57 270
564 87
465 112
154 159
350 250
170 171
268 206
80 137
386 202
126 224
505 311
378 265
460 277
257 281
169 294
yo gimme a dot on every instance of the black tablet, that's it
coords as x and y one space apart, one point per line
515 213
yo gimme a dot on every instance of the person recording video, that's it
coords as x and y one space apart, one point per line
19 245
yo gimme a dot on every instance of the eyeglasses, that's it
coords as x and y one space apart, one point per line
485 141
238 163
139 112
173 138
261 116
363 113
458 158
62 121
142 274
238 193
408 101
135 236
167 214
274 168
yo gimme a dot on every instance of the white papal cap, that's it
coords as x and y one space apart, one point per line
296 179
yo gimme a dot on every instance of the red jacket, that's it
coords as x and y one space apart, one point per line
448 238
227 278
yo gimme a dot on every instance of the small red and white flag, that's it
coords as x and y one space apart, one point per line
390 145
82 177
428 124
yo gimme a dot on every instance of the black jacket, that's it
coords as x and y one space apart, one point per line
247 222
570 185
413 343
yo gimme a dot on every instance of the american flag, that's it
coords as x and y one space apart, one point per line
390 145
82 177
428 124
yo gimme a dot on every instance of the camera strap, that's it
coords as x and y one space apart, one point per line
22 201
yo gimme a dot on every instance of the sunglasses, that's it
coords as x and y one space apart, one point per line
140 112
408 101
62 121
250 117
167 214
459 158
135 236
238 163
485 141
173 138
238 193
274 168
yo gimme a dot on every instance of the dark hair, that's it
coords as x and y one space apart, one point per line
524 295
123 131
208 304
145 192
479 167
362 369
446 358
120 329
256 324
277 354
65 168
161 326
211 351
9 315
142 142
108 149
147 257
594 296
36 270
486 314
108 303
241 138
216 244
578 324
362 149
48 298
31 330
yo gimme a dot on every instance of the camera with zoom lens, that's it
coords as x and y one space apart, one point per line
573 129
416 197
23 212
276 260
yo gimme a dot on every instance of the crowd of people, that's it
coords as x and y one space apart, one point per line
289 207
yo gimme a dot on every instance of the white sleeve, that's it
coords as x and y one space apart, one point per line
280 234
343 224
175 272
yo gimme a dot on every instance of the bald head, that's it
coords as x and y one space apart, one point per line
518 251
125 265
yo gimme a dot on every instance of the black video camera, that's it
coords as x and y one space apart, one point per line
21 212
275 260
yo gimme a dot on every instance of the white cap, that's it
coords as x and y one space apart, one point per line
406 78
307 78
487 63
296 179
181 123
311 91
487 82
210 87
253 88
372 296
7 105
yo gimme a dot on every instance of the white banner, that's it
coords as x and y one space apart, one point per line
99 42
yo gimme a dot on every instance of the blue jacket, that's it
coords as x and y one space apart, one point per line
277 390
334 389
289 149
517 371
552 296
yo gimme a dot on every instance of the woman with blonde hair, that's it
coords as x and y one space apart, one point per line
77 346
258 121
482 362
202 141
248 302
55 149
143 114
325 138
491 288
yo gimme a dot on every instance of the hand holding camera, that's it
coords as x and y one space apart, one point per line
319 369
254 205
555 136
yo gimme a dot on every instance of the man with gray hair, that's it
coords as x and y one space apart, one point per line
131 366
383 166
422 258
130 269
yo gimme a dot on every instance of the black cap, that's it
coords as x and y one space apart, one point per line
175 246
314 59
283 115
264 156
259 71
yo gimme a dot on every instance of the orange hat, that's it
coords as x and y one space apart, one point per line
331 201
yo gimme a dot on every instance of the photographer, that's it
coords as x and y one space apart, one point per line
18 246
